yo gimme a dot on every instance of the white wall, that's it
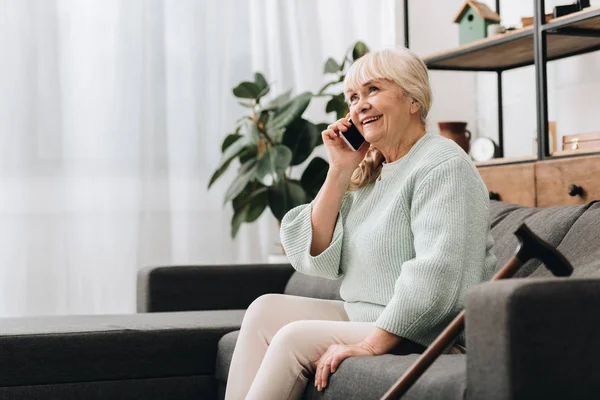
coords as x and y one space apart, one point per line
431 30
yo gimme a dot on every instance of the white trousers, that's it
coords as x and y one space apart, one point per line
280 340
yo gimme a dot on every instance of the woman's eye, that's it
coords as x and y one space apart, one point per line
373 89
353 98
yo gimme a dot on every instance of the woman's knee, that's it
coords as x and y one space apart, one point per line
296 336
265 302
263 305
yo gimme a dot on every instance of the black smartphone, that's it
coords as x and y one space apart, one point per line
352 137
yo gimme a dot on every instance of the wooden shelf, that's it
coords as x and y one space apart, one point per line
585 19
503 161
570 35
569 153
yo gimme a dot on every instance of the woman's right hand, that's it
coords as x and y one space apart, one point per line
341 156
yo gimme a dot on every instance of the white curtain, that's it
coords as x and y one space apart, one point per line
111 116
291 40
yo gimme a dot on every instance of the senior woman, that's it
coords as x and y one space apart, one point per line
403 221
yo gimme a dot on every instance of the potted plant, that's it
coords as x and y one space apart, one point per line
271 139
268 142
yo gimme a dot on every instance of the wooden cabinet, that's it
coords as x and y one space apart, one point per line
548 183
567 181
513 183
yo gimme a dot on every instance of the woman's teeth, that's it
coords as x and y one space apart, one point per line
367 121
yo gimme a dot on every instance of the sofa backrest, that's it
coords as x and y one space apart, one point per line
581 246
311 286
551 224
574 230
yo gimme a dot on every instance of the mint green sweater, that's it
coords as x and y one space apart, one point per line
408 246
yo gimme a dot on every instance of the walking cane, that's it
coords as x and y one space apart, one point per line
530 246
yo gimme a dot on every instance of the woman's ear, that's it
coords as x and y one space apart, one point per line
414 106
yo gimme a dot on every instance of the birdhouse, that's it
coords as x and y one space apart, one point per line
473 20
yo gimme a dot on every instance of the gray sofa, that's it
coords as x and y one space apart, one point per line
526 338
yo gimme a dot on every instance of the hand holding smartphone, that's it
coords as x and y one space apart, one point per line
353 137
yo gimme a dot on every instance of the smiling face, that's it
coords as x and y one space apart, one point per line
381 110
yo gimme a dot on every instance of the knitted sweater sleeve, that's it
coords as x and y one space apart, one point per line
296 238
448 217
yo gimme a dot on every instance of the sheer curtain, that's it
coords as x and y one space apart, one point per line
291 40
111 116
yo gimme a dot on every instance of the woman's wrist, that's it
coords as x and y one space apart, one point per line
340 175
380 342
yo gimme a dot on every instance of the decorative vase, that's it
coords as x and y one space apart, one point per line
457 131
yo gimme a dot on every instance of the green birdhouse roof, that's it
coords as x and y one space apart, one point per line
480 8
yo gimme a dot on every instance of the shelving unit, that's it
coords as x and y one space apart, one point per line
567 36
516 48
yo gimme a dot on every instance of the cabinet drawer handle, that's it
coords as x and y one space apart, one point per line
575 190
494 196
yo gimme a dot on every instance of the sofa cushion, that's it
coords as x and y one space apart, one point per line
371 377
312 286
581 245
70 349
550 224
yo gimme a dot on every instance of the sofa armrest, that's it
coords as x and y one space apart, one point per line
533 339
208 287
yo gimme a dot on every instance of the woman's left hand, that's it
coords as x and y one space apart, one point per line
331 359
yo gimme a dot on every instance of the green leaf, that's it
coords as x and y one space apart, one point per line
275 133
248 154
234 149
301 137
278 101
262 93
248 205
237 219
321 127
231 151
240 122
338 105
285 196
359 50
229 140
220 171
252 130
257 204
246 173
243 198
341 79
273 164
331 66
247 90
247 105
260 81
314 176
289 111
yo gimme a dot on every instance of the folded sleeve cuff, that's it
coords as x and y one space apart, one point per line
296 238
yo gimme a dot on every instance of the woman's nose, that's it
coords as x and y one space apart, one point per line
363 105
